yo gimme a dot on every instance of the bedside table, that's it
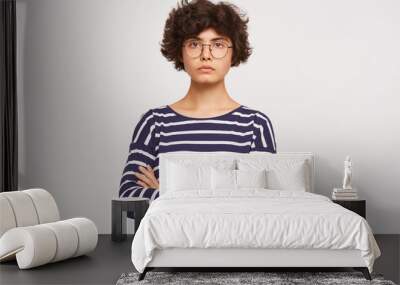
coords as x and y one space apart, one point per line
357 206
119 208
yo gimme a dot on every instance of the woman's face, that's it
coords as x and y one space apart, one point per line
220 66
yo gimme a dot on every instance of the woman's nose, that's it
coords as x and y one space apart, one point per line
206 54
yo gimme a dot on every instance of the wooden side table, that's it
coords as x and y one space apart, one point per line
120 207
357 206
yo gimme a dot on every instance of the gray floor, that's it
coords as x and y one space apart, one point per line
111 259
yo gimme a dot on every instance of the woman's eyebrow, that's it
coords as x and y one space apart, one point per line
213 39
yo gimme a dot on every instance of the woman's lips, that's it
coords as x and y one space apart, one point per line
206 70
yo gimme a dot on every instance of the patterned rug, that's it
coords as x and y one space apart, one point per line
243 278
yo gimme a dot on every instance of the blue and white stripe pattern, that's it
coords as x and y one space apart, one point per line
161 130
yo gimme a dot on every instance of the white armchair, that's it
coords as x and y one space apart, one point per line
32 233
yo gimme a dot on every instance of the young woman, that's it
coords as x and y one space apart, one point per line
205 40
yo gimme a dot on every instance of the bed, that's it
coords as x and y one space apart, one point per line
249 210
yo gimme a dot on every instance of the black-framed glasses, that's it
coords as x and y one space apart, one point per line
218 49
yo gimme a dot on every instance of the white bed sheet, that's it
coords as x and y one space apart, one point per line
250 218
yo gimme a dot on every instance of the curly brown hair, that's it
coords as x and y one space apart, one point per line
190 19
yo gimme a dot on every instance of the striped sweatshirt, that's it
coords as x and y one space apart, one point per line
162 130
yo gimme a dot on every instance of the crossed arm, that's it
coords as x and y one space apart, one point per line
147 178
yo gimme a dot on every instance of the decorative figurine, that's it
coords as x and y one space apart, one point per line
347 173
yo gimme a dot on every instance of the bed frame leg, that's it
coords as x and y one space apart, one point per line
364 271
143 274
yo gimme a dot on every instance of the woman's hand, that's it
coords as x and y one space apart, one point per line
147 179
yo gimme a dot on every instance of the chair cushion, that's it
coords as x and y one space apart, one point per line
27 208
46 243
45 205
7 215
23 208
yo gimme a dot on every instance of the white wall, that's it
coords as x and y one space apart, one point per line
326 72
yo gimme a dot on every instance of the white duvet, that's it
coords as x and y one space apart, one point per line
251 218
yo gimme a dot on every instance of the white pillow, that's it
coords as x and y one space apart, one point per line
223 179
291 178
230 179
282 174
193 174
182 177
251 178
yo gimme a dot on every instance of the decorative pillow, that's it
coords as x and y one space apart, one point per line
290 178
251 178
182 177
282 174
231 179
204 161
223 179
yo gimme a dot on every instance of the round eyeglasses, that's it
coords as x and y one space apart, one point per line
194 48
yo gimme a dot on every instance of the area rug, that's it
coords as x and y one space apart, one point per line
243 278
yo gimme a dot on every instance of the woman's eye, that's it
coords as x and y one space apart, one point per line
219 45
193 44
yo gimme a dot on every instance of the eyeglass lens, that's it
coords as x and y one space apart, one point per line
218 49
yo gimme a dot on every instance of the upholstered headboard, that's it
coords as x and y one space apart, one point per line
192 156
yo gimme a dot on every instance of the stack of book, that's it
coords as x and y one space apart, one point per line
344 194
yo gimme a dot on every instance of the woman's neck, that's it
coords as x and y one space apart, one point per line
207 96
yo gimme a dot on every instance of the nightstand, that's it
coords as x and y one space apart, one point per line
120 207
357 206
